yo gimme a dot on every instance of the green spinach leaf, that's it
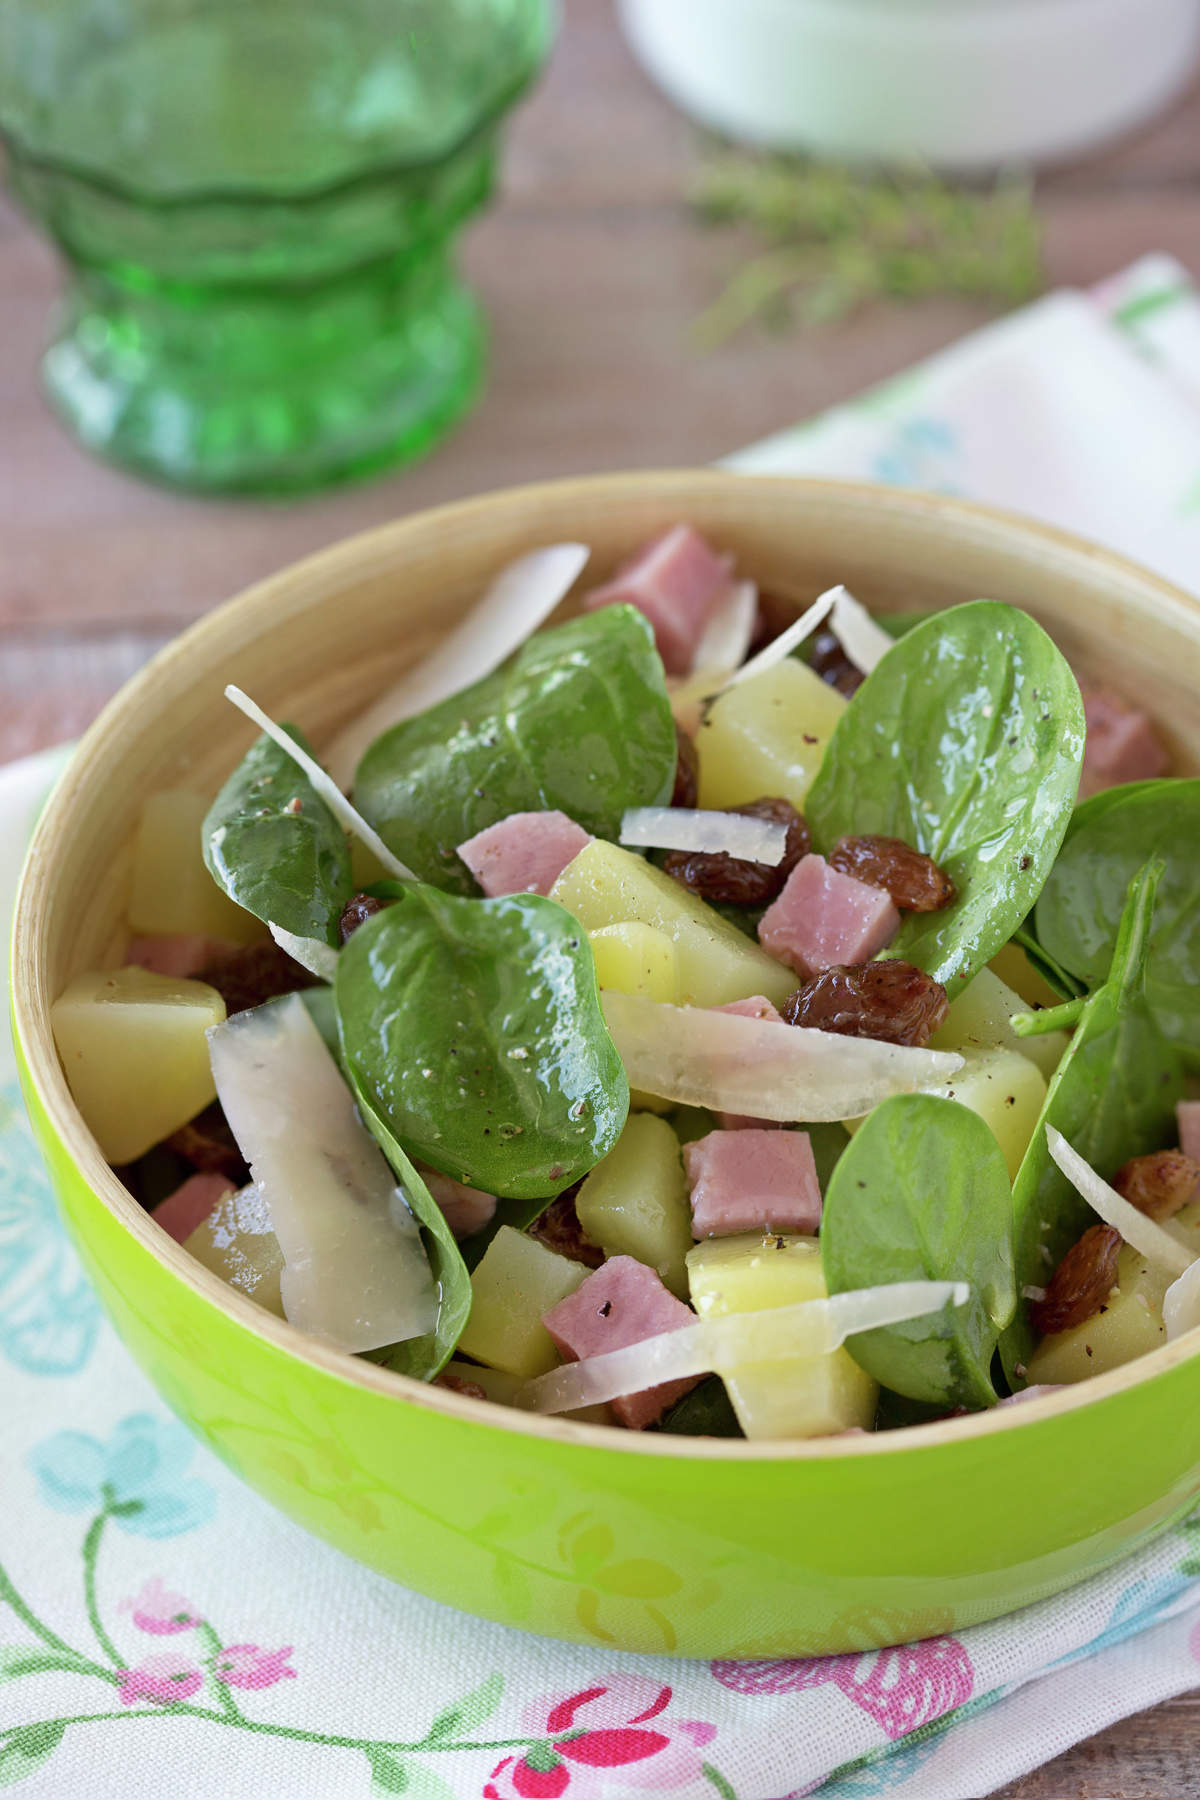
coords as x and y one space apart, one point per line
1079 914
922 1194
427 1356
474 1029
1113 1096
274 846
966 741
578 721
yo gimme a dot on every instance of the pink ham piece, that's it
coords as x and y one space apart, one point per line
753 1181
1121 743
186 1209
466 1209
184 955
676 580
623 1303
823 918
523 854
1188 1114
756 1007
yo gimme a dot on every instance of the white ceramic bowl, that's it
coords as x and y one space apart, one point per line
959 84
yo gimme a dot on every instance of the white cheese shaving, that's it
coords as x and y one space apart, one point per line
1155 1244
808 1328
786 642
683 828
347 816
318 958
1181 1303
759 1067
516 603
864 642
726 637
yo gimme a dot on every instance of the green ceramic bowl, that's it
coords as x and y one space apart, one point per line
709 1548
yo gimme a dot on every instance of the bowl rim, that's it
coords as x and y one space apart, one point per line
35 1045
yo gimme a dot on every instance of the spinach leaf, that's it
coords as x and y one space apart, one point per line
474 1029
289 867
922 1194
1113 1096
579 721
706 1412
422 1357
1078 916
966 741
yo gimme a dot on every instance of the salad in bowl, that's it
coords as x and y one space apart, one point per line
680 1019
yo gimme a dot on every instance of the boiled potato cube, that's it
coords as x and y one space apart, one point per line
605 885
767 735
172 892
798 1396
135 1056
515 1282
1130 1324
237 1243
981 1019
1014 968
635 1202
636 959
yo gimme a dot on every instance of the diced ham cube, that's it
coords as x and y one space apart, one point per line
186 954
624 1302
756 1007
1188 1113
823 918
753 1181
187 1208
676 580
1121 743
523 854
466 1209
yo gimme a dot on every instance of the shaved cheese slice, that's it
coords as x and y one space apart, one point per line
776 1334
726 637
1181 1303
760 1067
685 828
864 642
318 958
1157 1245
517 602
355 1269
346 815
786 642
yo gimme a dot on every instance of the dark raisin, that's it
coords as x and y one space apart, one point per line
254 974
210 1146
913 880
889 1000
1159 1184
356 912
687 771
834 666
1081 1283
559 1229
718 876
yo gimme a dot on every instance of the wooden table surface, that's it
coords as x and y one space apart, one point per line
591 271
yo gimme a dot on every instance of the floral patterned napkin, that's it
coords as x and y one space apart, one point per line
162 1631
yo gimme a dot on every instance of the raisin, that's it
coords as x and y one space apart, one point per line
832 664
1159 1184
458 1385
687 771
210 1146
559 1229
913 880
356 912
715 875
254 974
1081 1283
889 1000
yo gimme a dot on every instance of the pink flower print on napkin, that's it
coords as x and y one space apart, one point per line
166 1677
899 1688
246 1666
158 1610
622 1723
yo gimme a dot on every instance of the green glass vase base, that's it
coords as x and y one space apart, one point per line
267 392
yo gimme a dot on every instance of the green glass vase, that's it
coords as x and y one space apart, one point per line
256 202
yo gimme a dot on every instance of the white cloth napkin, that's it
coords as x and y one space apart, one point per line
199 1645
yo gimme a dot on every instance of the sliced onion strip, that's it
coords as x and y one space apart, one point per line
684 828
1149 1239
809 1328
760 1067
864 642
786 642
